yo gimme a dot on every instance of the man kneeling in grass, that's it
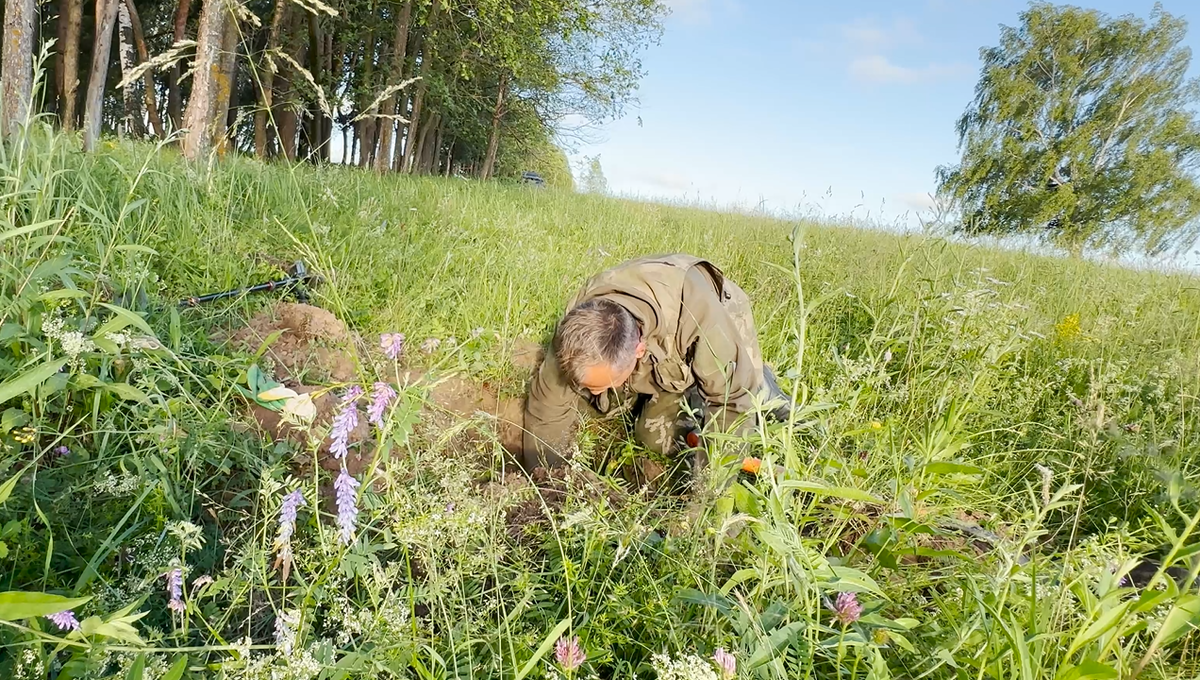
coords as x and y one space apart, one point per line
646 338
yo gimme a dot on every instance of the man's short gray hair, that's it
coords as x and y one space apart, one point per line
596 332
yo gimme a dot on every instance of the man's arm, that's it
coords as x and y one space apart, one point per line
725 372
552 409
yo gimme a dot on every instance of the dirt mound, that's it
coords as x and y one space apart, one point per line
309 346
526 354
453 398
360 451
313 345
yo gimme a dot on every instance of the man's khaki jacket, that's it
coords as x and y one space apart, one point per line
698 332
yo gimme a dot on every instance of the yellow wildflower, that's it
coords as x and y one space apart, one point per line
1068 328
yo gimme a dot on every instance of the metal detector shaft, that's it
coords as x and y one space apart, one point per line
301 276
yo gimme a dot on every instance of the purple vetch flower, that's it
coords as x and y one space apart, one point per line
726 663
846 609
347 505
62 451
392 344
64 620
287 516
175 589
569 654
344 423
285 631
381 398
430 345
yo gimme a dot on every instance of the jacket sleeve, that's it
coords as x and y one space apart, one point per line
552 409
721 363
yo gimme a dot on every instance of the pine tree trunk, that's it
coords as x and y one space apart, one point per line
404 109
16 79
285 117
174 95
410 149
59 59
201 116
93 112
383 159
489 161
386 127
134 125
362 128
70 51
143 55
314 124
227 90
435 153
424 143
267 74
326 128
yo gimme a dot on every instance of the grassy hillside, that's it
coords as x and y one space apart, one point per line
1048 406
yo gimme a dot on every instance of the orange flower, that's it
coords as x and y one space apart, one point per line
751 465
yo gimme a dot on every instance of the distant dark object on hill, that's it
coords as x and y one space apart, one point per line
532 178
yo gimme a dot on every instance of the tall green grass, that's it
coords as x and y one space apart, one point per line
1048 405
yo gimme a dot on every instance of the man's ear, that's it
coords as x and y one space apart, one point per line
641 349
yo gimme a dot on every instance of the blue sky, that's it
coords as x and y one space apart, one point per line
834 107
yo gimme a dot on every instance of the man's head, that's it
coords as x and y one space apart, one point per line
598 344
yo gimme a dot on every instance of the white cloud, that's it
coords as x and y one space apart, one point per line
691 10
876 68
919 202
870 35
669 181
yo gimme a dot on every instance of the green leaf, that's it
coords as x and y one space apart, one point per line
175 672
266 343
1089 669
30 379
12 418
27 229
901 642
86 381
7 487
253 376
542 649
3 550
879 668
122 318
9 331
818 489
769 649
135 248
1181 619
947 468
16 605
714 600
127 392
117 630
848 580
739 577
1102 625
62 294
138 668
1150 599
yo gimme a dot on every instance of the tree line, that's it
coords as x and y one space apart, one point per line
476 87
